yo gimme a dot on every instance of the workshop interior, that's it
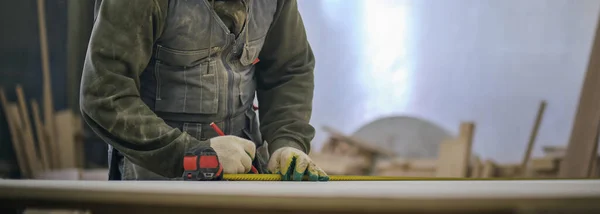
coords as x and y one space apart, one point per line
494 102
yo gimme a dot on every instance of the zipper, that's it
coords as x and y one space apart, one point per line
230 77
158 81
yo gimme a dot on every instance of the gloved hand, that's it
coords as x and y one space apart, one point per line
235 153
293 164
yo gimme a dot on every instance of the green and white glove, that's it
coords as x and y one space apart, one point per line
292 164
235 153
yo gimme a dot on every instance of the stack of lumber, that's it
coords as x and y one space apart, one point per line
454 159
42 145
346 155
547 166
406 167
43 139
340 164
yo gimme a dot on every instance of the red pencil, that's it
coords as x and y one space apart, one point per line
217 129
220 132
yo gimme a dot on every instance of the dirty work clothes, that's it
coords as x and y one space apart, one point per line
232 13
155 67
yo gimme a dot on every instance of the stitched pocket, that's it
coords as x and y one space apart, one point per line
187 89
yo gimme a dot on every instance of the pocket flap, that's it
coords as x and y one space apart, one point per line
249 54
181 58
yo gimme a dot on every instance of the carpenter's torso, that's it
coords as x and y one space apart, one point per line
202 72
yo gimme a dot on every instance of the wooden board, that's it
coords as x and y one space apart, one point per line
42 211
78 141
454 155
10 112
48 104
340 165
596 168
544 164
508 170
358 142
406 168
476 168
532 137
65 143
60 174
427 164
554 151
489 169
583 143
304 197
421 173
31 150
44 147
450 163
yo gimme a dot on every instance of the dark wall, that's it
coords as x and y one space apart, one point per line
68 23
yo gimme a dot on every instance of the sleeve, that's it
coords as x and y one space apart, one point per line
120 47
285 81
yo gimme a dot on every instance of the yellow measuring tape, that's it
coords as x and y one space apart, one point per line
275 177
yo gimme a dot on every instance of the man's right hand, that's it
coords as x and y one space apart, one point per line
235 153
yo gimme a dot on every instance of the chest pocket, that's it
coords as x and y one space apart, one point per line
248 57
186 81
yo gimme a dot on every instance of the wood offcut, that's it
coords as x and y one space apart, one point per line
455 154
583 143
532 137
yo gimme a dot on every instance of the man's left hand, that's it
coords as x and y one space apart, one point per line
292 164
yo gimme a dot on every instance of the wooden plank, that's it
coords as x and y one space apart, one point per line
406 167
467 132
583 143
408 172
358 142
450 159
532 137
544 164
554 151
489 169
33 158
508 170
454 155
44 148
66 139
476 168
94 174
14 109
54 211
48 104
422 164
339 165
596 168
60 174
78 141
294 197
9 112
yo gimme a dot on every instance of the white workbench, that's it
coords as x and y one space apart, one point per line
323 197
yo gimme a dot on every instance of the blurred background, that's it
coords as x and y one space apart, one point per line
402 76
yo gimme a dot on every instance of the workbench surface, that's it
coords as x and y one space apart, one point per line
342 196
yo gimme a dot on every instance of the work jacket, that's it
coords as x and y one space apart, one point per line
158 72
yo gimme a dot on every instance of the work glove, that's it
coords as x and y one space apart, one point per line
293 164
235 153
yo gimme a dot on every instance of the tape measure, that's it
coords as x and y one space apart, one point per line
276 177
202 164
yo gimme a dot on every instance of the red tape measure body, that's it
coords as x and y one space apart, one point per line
202 165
